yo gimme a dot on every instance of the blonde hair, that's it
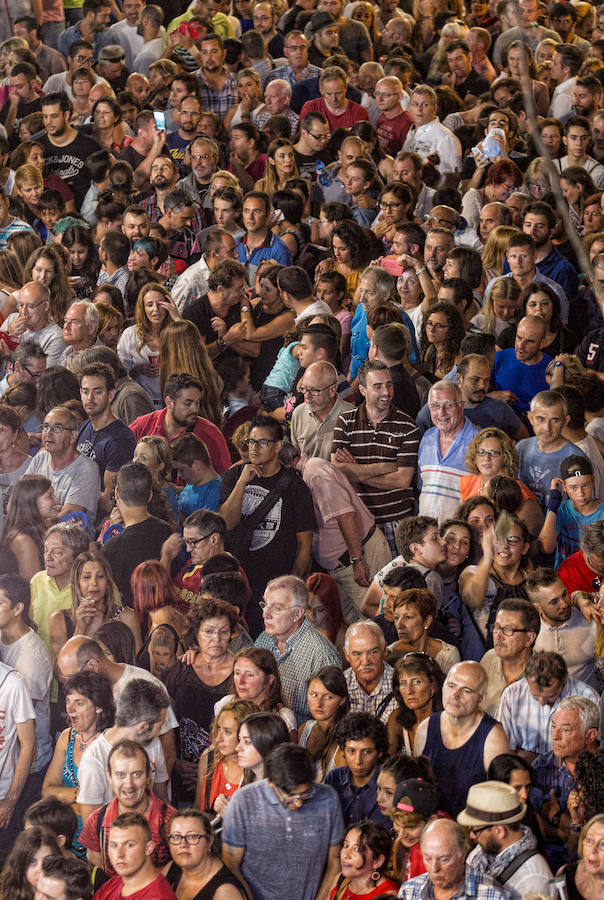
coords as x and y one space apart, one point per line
226 176
143 326
494 250
508 449
28 175
504 289
180 350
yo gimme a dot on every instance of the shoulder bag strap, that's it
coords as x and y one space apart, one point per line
515 864
285 479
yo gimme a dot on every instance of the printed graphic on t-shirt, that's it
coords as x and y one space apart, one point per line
266 531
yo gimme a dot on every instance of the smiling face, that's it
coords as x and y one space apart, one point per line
457 544
129 777
489 458
34 869
378 391
48 505
553 603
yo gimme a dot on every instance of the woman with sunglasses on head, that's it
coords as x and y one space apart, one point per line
196 871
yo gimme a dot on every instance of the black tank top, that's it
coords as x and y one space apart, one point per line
222 876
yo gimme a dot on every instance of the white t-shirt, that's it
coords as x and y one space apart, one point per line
95 787
15 708
131 672
31 659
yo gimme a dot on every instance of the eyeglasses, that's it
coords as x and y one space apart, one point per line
275 610
390 205
81 58
262 443
436 326
294 47
190 840
491 453
318 137
201 156
191 543
314 392
33 375
286 799
56 429
475 830
224 633
508 630
513 540
25 307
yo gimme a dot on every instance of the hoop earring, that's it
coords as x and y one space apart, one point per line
375 875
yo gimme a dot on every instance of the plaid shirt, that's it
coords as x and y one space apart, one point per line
306 651
289 75
262 118
361 701
218 101
474 887
149 204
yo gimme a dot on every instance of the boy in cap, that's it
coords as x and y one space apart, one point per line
415 801
566 518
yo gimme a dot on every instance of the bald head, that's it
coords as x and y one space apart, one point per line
529 337
73 657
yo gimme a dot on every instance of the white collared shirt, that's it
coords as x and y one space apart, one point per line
435 138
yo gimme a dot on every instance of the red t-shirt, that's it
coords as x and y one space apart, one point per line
576 574
354 112
392 132
96 840
153 423
159 889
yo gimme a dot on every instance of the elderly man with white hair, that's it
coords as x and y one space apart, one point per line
369 677
277 97
80 328
442 451
462 740
300 650
444 849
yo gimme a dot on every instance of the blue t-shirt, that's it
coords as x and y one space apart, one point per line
509 374
359 342
110 447
537 468
199 496
569 525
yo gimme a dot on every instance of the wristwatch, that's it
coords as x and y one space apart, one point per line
355 559
245 308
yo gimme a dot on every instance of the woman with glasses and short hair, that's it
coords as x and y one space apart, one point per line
196 871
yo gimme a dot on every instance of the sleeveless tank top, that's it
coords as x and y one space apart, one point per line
457 770
222 876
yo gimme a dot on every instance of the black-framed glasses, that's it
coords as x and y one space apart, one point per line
261 442
479 829
191 543
190 839
56 429
508 630
318 137
33 375
314 392
287 799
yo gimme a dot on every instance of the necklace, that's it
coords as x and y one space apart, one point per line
229 782
85 741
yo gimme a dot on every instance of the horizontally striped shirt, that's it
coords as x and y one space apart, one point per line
394 439
439 476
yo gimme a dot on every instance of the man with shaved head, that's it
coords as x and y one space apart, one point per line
393 122
462 740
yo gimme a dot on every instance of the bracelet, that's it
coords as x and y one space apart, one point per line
555 499
222 344
355 559
575 828
423 269
558 365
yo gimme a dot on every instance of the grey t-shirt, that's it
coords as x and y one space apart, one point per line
78 484
50 339
537 469
299 839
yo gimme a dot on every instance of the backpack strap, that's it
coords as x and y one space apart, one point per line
101 832
515 864
387 699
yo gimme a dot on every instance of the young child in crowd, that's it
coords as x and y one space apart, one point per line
566 518
192 462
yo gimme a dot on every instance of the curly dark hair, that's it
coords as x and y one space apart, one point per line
589 781
358 726
209 609
416 664
351 234
374 839
455 334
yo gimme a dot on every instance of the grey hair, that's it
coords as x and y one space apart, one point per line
72 537
140 701
295 587
91 313
450 386
364 625
425 89
592 538
27 350
549 399
589 712
282 83
383 280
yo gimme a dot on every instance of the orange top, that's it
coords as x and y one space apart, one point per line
469 486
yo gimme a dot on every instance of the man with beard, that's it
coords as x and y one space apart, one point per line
180 414
438 243
152 19
103 437
587 96
144 149
216 315
539 221
164 178
177 142
127 33
491 216
65 149
217 87
177 220
265 21
128 770
95 19
204 155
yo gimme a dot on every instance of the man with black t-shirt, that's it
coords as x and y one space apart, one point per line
65 149
281 542
465 81
216 314
23 99
143 535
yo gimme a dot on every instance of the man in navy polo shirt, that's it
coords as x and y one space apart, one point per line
259 242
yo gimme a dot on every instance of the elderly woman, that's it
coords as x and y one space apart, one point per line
51 588
584 880
414 613
195 687
376 287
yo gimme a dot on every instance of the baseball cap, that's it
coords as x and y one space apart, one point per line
575 465
415 796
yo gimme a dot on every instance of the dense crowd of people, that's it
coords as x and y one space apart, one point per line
301 450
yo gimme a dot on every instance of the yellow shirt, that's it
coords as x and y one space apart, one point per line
46 598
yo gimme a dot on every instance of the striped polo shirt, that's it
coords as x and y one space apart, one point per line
394 439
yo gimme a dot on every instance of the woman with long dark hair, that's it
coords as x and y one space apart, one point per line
23 865
46 267
364 859
14 446
417 683
328 702
85 262
538 299
351 253
32 509
259 734
441 335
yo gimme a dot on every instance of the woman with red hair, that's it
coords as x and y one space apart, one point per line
325 608
155 599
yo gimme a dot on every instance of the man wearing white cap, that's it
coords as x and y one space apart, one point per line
506 849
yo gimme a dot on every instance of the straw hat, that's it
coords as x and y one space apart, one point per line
491 803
